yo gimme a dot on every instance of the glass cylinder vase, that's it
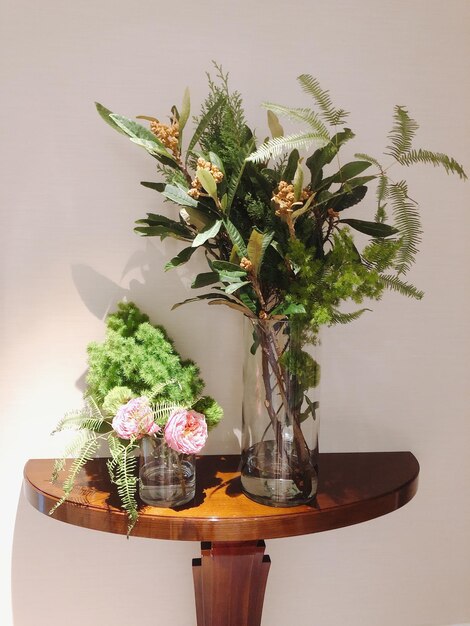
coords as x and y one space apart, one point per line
167 478
279 461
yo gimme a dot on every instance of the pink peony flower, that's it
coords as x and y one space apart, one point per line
186 431
135 419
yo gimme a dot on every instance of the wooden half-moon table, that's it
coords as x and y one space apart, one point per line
353 488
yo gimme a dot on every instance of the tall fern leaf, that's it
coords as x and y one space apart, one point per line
124 475
402 133
311 86
201 127
408 222
87 451
89 417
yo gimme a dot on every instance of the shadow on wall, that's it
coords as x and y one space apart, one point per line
66 574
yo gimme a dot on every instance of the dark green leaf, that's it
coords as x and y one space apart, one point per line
291 166
156 186
348 199
180 258
236 238
204 279
374 229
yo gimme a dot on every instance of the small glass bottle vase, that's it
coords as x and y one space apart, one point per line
279 462
166 478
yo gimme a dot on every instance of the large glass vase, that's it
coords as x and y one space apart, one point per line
279 462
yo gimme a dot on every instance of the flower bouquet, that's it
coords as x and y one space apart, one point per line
140 394
274 228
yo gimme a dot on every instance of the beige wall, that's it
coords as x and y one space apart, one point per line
397 379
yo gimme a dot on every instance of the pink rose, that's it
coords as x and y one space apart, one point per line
135 419
186 431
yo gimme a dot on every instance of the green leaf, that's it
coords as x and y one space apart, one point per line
237 172
205 279
156 186
236 238
208 182
374 229
298 181
342 201
179 196
208 233
185 110
274 125
235 286
143 137
291 166
180 258
162 232
217 161
198 218
254 248
227 269
106 115
205 296
325 155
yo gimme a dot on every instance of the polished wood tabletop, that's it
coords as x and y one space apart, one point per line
353 487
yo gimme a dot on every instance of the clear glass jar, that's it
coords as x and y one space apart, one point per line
166 478
279 463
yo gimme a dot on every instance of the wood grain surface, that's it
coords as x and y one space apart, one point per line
353 487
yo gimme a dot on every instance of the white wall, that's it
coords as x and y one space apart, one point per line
397 379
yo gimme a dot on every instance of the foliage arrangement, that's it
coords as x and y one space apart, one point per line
137 386
274 225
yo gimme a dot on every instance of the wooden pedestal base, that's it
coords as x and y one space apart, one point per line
229 583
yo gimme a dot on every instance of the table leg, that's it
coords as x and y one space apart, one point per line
229 583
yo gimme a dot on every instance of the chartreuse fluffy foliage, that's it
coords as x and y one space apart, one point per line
135 359
273 216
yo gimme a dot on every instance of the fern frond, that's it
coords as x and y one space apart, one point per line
73 449
436 158
402 133
89 417
276 146
311 86
123 472
86 453
344 318
408 222
365 157
382 193
305 116
406 289
201 127
162 411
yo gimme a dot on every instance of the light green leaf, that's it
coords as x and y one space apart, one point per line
274 125
208 182
198 218
208 233
185 110
179 196
235 286
298 181
106 115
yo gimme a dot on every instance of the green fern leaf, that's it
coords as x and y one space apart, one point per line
394 283
344 318
123 471
276 146
408 222
402 133
311 86
239 166
87 451
436 158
